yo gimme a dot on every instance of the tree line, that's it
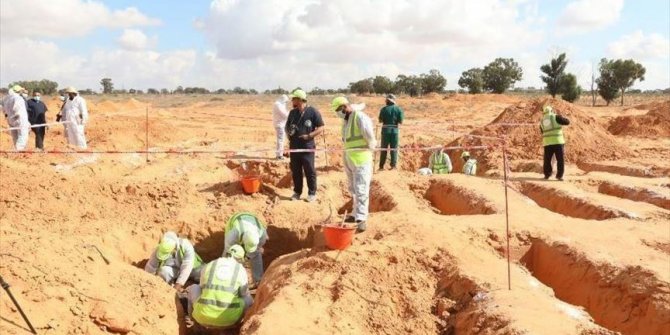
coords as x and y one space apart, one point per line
615 77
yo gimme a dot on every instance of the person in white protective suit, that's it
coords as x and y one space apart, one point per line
279 117
14 108
76 114
358 137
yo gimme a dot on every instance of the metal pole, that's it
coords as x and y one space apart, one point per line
325 146
146 142
11 296
507 235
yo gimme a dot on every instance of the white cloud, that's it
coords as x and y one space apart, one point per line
640 46
586 15
64 18
133 39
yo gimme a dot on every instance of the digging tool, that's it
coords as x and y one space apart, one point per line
5 286
100 252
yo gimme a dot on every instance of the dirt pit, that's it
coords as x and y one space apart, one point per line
380 200
628 300
450 199
635 194
567 204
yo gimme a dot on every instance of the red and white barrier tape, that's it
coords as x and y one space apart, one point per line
37 125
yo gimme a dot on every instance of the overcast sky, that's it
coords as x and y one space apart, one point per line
319 43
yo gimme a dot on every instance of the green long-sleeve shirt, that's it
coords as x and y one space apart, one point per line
391 116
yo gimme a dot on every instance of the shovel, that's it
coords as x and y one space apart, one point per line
11 296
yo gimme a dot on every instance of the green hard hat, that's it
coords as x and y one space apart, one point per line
300 94
166 246
236 251
337 102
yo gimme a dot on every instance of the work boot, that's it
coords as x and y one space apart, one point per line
311 198
559 179
350 219
362 226
295 197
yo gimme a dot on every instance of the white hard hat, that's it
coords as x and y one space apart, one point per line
71 89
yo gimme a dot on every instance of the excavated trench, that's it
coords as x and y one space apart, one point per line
567 204
635 194
450 199
628 300
380 200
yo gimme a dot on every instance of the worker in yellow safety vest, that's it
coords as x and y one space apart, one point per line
222 296
470 166
439 162
247 230
359 138
174 260
551 127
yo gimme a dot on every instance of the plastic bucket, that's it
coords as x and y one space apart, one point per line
338 237
251 184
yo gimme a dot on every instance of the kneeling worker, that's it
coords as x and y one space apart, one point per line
470 166
223 294
439 162
247 230
175 261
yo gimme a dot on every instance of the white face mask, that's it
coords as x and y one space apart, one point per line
24 95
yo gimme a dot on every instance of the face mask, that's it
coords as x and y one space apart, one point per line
62 98
25 96
36 98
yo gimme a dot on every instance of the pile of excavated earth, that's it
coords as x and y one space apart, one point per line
588 255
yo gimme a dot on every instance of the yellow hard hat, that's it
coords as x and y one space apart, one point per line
465 154
300 94
547 109
166 246
337 102
236 251
17 88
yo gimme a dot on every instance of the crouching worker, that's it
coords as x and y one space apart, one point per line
439 162
222 296
470 166
175 261
247 230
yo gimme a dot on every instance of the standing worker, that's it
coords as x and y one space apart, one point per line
175 261
15 111
304 123
391 116
553 140
222 295
470 166
358 137
439 162
279 116
246 229
37 115
76 113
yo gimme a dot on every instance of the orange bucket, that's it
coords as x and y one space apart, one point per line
251 184
338 237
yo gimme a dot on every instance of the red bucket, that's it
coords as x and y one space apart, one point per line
251 184
338 237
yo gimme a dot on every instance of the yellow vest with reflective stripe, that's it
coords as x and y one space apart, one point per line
234 223
180 251
219 304
552 132
440 165
353 139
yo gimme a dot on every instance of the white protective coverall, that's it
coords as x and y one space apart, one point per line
76 113
14 107
359 177
279 117
176 269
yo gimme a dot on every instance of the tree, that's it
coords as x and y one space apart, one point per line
554 72
362 86
411 85
433 81
165 91
382 85
626 72
45 86
569 89
132 91
107 85
179 90
606 83
501 74
152 91
473 79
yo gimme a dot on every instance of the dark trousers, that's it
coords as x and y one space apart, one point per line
39 132
303 162
549 152
389 140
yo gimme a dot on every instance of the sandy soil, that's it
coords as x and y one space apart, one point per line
590 255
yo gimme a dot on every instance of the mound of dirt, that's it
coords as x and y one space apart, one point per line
654 123
586 139
106 106
132 103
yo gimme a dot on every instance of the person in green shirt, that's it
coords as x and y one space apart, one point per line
390 116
